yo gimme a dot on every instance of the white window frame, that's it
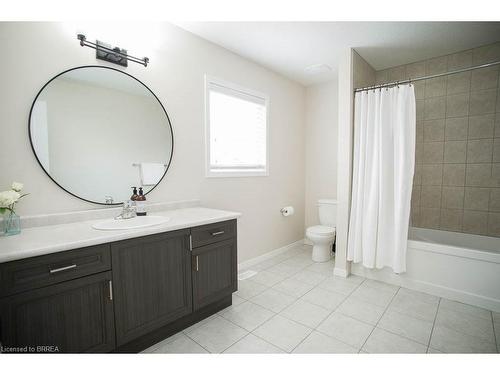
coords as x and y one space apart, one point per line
246 91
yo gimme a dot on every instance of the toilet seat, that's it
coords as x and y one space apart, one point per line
321 230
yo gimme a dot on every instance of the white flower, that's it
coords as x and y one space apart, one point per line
8 198
17 186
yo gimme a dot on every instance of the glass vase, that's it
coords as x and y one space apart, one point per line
11 224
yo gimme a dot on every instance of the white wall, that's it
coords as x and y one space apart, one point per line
32 53
321 147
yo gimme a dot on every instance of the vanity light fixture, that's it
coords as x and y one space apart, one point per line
115 55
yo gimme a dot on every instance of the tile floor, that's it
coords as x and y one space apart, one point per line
293 305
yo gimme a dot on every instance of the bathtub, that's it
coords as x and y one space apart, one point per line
458 266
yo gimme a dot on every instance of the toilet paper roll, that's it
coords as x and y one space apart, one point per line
287 211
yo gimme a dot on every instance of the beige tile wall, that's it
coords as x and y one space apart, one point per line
457 174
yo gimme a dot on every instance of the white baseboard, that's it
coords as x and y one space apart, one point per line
427 287
339 272
269 255
307 241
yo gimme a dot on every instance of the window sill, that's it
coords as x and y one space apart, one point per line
237 173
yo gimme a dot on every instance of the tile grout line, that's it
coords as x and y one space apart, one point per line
433 325
336 308
494 332
376 324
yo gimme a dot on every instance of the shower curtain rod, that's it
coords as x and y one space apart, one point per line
410 80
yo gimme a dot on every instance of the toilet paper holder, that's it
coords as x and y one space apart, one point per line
287 211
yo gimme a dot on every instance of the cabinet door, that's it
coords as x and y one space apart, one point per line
214 272
151 283
74 316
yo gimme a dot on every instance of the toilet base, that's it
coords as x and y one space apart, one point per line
322 253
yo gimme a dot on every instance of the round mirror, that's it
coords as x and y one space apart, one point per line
97 131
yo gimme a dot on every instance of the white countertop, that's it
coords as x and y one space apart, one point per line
54 238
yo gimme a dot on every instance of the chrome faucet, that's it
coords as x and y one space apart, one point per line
108 199
128 211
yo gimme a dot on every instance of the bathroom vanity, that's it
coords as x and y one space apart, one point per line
125 292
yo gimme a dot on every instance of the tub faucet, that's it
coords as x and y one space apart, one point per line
128 211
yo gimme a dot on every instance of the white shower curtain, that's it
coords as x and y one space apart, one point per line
384 156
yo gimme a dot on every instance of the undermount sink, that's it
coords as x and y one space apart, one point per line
134 223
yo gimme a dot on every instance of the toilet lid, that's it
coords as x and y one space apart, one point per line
321 229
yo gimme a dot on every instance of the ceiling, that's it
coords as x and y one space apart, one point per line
289 47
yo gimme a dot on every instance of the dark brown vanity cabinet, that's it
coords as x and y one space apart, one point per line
123 296
151 283
71 317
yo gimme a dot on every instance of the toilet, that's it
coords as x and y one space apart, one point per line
322 236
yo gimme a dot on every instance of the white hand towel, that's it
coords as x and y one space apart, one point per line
151 173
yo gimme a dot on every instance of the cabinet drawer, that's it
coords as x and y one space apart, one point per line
37 272
211 233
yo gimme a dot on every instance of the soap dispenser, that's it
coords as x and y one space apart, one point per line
141 203
134 196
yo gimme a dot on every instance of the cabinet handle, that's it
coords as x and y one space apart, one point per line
56 270
110 284
196 263
217 233
190 243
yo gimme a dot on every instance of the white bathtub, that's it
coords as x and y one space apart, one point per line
462 267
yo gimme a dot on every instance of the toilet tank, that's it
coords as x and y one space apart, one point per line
327 209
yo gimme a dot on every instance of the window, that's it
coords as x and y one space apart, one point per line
236 130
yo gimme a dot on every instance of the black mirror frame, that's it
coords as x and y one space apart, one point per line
117 70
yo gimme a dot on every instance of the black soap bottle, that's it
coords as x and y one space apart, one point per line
141 203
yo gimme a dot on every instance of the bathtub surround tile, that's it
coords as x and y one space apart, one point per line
381 76
478 175
318 343
486 54
430 196
457 105
247 315
483 102
357 308
451 220
453 197
496 150
217 335
417 176
482 126
454 174
432 174
305 313
477 199
479 151
420 109
346 329
494 204
415 196
448 340
435 108
324 298
494 224
436 65
404 325
433 152
475 222
251 344
458 83
397 73
455 151
415 70
435 87
434 130
460 60
485 78
429 217
495 175
381 341
419 132
282 332
456 128
419 87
